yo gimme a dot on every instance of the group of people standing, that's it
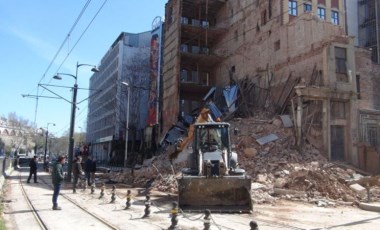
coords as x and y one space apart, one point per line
89 169
58 175
77 170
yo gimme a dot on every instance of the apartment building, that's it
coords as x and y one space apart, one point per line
295 55
120 91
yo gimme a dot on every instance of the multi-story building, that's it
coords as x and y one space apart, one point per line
294 55
369 16
112 101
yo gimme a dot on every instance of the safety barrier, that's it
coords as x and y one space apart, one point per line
174 212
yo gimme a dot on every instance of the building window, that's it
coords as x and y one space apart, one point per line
307 7
358 86
270 9
263 17
292 8
335 17
321 13
277 45
341 64
184 74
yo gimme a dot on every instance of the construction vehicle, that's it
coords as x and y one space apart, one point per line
213 179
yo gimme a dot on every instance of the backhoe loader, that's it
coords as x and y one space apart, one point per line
213 179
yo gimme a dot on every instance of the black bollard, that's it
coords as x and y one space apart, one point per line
174 214
207 220
92 189
102 190
147 206
113 194
128 203
253 225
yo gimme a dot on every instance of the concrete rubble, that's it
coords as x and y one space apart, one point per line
279 169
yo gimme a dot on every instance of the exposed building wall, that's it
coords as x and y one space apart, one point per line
369 73
268 43
171 69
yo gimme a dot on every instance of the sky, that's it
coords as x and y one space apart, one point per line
41 38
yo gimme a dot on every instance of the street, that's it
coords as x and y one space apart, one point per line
77 208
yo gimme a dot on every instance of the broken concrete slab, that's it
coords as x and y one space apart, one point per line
267 139
358 188
286 121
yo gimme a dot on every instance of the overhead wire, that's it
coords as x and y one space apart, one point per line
66 39
70 51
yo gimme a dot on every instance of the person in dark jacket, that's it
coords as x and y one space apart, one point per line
77 172
57 178
33 169
88 168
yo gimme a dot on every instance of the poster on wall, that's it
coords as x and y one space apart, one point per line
154 72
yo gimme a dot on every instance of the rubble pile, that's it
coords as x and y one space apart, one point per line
279 170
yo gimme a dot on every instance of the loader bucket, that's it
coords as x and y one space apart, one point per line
227 194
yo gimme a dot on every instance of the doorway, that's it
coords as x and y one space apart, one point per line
337 143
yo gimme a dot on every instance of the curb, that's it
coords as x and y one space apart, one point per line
374 207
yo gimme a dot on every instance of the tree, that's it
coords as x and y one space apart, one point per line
136 73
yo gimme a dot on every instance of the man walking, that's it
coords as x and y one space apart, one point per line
77 171
57 177
33 169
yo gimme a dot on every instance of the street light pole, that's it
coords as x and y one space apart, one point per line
46 143
72 117
127 126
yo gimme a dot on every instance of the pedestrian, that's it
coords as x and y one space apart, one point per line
32 169
77 171
93 171
57 177
88 169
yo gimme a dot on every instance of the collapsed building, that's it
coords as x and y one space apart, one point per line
300 64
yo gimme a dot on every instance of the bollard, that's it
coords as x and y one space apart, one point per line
174 214
368 193
113 194
92 189
253 225
147 206
128 203
206 220
102 190
84 185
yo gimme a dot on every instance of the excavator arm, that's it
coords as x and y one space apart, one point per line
203 117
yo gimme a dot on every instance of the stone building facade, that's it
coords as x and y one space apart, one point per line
296 55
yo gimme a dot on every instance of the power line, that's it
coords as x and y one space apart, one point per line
64 42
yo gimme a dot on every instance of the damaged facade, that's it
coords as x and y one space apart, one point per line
292 57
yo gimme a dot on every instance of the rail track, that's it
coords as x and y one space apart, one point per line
85 210
44 221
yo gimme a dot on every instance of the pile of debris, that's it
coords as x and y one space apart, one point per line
279 169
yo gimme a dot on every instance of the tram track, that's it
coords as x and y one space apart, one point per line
43 221
85 209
